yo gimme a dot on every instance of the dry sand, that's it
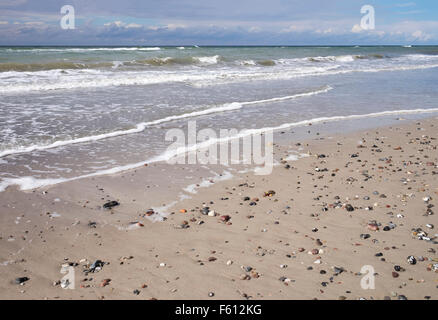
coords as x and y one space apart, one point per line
299 243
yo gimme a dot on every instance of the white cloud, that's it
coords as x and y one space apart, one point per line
254 29
407 4
326 31
34 23
420 35
121 24
4 22
133 25
175 26
356 28
11 3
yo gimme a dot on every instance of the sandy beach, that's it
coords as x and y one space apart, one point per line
306 231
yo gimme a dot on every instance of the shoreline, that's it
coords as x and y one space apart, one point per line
182 259
29 183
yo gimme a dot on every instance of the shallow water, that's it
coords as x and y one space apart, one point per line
71 112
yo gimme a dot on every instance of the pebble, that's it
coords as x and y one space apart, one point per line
21 280
96 266
105 282
111 204
412 260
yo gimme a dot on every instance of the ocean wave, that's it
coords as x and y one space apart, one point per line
346 58
143 125
15 83
207 60
81 49
29 183
305 72
29 67
65 65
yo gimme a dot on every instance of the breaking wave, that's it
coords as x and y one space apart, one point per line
142 126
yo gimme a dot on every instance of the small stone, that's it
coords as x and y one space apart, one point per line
111 204
21 280
338 270
269 193
349 207
395 274
211 294
245 277
412 260
105 282
136 292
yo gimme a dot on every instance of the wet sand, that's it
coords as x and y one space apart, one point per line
303 232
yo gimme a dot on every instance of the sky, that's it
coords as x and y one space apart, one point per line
220 22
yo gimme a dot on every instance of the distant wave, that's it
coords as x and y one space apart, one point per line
346 58
191 60
28 183
29 67
142 126
99 79
81 49
66 65
208 60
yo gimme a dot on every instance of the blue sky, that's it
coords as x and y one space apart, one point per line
220 22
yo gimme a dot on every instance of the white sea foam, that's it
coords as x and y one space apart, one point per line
226 175
13 82
28 183
142 126
208 60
